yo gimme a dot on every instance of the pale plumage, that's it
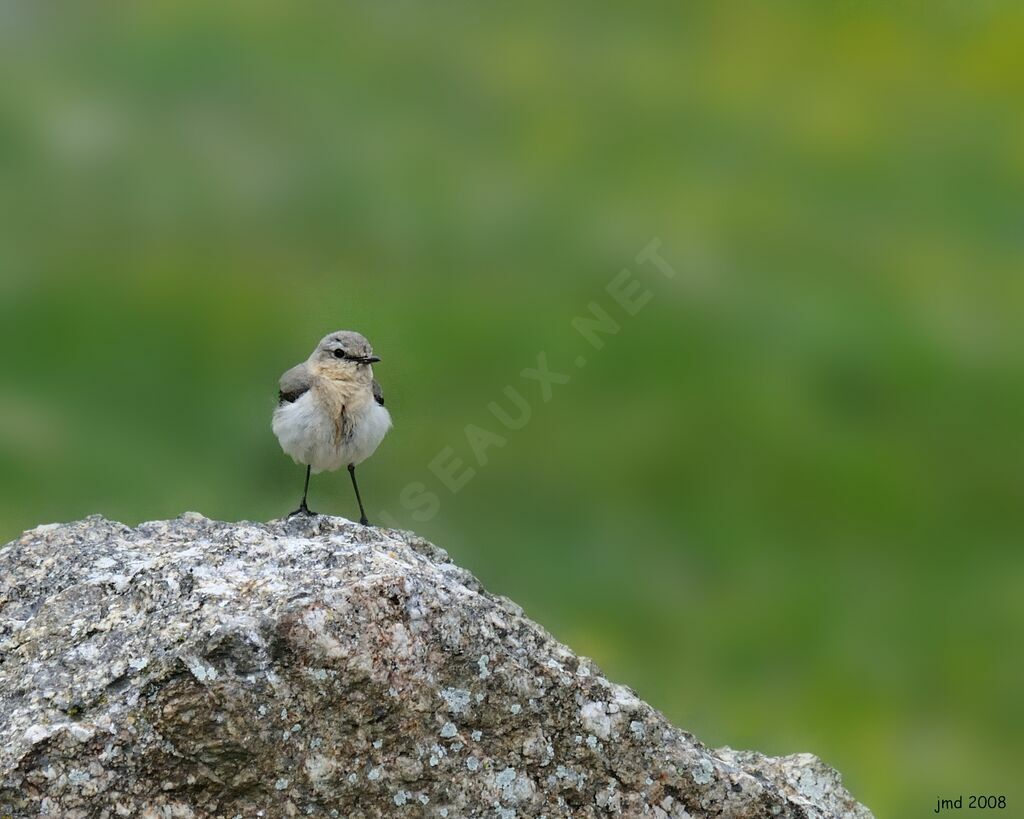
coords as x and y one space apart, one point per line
331 411
314 432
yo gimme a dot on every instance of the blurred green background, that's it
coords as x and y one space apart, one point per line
784 502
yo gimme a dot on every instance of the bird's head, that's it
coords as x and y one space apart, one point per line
345 356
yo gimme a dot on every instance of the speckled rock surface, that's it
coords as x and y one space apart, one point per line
313 667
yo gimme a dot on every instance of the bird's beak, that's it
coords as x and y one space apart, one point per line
371 359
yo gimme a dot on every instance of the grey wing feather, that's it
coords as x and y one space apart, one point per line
378 392
294 383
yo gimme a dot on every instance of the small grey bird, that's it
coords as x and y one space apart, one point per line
330 411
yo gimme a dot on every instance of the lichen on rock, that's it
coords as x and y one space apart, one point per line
313 667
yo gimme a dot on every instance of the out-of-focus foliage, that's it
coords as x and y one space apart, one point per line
784 501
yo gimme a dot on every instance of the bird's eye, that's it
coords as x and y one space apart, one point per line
339 353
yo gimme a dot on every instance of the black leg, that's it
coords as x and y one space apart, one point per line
303 509
362 514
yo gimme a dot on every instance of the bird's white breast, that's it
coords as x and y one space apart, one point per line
309 432
370 423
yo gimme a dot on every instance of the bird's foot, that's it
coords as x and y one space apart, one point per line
363 521
302 510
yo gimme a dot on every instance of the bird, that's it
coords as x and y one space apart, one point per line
330 411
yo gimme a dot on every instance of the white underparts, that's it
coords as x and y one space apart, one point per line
322 439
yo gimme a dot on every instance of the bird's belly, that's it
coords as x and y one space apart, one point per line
307 434
368 429
310 436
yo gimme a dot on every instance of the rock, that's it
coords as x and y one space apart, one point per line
313 667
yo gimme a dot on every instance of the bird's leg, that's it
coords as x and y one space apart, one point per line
362 513
303 509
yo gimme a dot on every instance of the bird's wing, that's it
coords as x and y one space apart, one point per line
378 392
294 383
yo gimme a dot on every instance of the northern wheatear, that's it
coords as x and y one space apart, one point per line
330 411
